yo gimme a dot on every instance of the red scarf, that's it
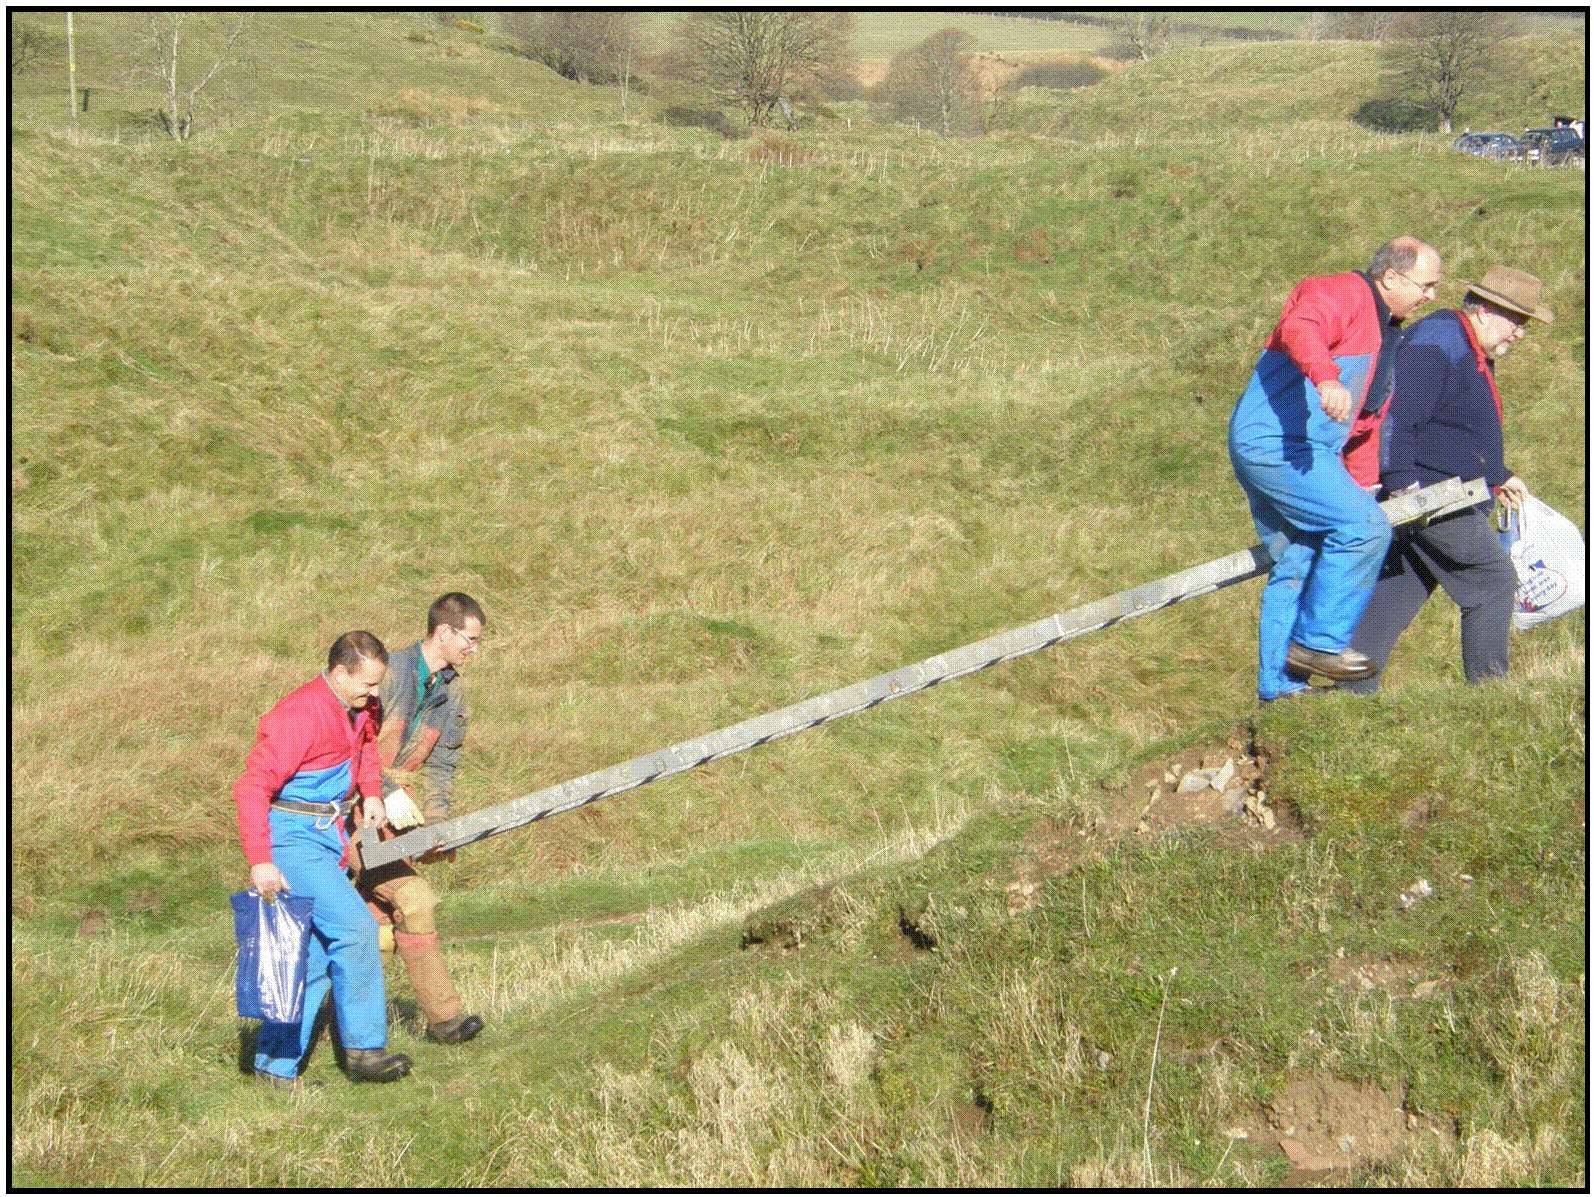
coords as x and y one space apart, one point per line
1485 367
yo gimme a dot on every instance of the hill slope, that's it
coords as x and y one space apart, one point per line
711 426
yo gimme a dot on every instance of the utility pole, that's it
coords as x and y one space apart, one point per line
71 75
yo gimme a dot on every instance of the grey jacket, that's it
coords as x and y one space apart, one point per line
412 719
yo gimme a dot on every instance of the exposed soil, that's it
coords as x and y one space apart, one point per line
998 68
1221 785
1327 1128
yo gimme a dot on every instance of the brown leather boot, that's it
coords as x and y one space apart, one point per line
376 1064
1348 666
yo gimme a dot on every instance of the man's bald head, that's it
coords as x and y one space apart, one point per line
1406 272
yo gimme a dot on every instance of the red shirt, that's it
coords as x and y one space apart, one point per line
309 749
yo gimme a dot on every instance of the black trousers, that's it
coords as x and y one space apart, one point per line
1463 554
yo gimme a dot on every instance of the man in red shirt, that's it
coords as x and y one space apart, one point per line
1303 439
313 761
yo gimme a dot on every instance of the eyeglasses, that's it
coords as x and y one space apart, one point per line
473 641
1425 288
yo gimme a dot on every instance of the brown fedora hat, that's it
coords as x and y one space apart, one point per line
1514 290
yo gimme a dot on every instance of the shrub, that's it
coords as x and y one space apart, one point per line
687 116
1391 114
1062 76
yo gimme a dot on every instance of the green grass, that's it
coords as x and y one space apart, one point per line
711 427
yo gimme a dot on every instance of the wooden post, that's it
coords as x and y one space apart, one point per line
71 75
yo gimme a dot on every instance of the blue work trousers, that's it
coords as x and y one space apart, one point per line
343 947
1327 537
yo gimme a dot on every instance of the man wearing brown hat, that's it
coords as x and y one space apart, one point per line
1445 422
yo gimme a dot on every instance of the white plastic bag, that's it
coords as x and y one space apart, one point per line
1547 551
273 947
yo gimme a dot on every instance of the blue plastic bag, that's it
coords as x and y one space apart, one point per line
273 951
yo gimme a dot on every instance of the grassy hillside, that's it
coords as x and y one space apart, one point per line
712 426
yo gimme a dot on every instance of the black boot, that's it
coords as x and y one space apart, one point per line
459 1030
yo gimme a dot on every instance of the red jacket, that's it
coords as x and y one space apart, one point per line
1332 328
306 748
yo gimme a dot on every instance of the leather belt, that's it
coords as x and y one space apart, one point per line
323 809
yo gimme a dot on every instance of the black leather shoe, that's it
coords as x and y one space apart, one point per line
1348 666
459 1030
377 1064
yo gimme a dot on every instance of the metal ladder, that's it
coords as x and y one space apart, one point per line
1416 507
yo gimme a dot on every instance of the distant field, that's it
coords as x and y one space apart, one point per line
883 34
880 35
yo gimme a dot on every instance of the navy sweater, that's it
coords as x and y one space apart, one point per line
1444 422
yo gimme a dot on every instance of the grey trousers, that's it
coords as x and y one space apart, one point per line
1463 554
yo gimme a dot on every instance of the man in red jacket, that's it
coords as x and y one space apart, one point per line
313 761
1303 439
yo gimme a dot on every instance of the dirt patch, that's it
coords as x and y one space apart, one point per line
788 923
1326 1126
1222 785
997 69
1399 979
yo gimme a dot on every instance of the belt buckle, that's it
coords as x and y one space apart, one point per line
335 816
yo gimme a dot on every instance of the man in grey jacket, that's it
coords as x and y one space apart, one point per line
423 728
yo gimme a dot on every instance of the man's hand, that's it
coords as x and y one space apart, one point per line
267 880
1335 400
1514 493
372 812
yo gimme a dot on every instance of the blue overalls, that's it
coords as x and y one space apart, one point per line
344 955
1327 536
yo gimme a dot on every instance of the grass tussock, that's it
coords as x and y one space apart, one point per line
712 425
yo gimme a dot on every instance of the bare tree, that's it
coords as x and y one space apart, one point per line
1438 57
757 58
1145 34
931 80
585 45
1363 25
27 46
1375 25
167 55
993 92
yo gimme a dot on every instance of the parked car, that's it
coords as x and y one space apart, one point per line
1555 147
1500 146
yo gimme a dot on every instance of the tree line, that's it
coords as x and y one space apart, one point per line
764 63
